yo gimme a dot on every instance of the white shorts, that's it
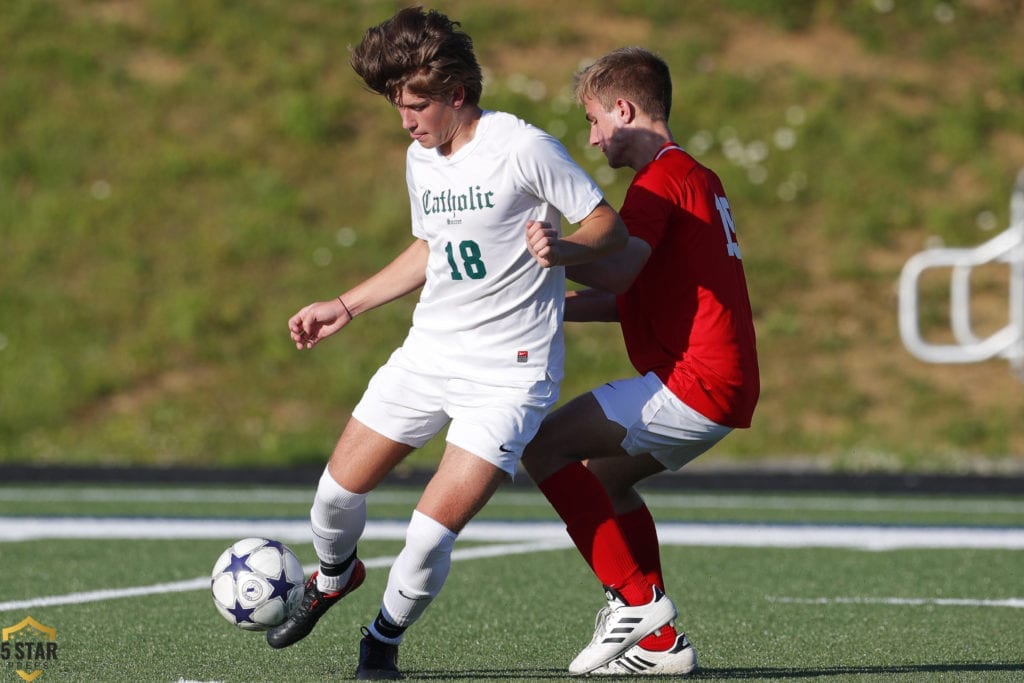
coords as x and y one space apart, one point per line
657 421
490 421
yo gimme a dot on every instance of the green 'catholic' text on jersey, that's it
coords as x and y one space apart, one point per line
488 310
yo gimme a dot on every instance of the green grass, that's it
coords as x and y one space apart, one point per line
177 178
523 617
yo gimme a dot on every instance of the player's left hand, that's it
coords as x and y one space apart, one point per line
543 242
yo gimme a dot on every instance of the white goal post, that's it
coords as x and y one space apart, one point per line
1008 342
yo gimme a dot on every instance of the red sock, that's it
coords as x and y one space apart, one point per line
583 504
641 533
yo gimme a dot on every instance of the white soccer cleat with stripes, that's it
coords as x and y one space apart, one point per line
619 627
679 660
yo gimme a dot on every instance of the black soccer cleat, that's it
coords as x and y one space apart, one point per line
314 604
377 661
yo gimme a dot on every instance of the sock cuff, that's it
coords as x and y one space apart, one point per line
564 478
338 568
385 630
429 532
577 495
329 490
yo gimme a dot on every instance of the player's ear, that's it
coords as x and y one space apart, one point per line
458 96
625 110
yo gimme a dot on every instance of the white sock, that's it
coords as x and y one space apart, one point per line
337 518
419 572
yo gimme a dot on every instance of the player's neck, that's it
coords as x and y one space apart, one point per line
655 135
465 130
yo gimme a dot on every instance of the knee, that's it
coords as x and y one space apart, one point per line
425 537
334 495
619 487
542 465
543 457
531 462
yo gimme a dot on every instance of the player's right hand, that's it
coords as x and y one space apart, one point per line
316 322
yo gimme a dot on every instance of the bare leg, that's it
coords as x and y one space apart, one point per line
363 457
575 432
461 486
458 490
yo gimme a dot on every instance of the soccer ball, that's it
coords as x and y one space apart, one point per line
257 583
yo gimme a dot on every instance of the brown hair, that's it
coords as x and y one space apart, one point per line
422 50
633 73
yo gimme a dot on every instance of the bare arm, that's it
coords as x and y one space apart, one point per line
614 273
602 232
319 320
590 305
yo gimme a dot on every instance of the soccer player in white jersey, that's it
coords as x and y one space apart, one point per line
485 351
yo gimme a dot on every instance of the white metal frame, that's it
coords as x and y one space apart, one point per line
1008 342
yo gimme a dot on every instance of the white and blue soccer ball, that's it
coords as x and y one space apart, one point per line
257 583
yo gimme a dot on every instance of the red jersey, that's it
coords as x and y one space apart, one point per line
687 316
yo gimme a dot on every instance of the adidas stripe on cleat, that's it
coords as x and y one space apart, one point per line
680 659
619 627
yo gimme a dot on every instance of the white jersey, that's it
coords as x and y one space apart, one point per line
488 310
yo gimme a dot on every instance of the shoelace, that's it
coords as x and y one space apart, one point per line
601 624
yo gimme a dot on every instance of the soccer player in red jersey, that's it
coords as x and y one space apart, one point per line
680 295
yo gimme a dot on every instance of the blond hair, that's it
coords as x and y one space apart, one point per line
632 73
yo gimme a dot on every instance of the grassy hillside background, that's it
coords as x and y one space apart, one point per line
178 177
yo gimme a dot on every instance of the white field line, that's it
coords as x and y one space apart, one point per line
203 582
683 500
504 538
671 533
1017 603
